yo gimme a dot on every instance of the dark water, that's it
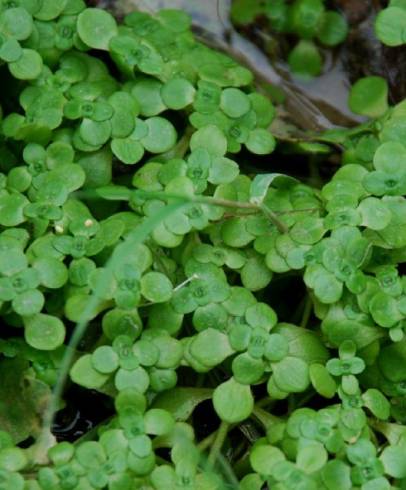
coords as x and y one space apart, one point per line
84 410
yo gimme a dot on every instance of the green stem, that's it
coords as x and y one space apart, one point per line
224 203
160 263
294 211
263 402
307 311
228 472
273 218
180 150
265 418
122 193
218 442
207 441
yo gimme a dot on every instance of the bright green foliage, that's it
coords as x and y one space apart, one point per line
305 60
233 401
150 252
96 28
369 97
390 24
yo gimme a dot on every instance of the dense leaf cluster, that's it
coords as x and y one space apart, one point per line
124 209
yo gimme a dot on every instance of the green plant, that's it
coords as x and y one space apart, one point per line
308 22
390 24
145 257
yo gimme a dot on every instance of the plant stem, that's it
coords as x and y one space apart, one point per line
124 194
273 218
263 402
294 211
181 148
218 442
207 441
224 203
228 472
307 311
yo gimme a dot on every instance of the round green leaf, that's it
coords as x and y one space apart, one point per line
333 29
390 26
255 275
234 102
336 474
105 359
52 272
263 109
261 315
28 66
233 402
12 261
148 93
127 150
308 231
322 381
16 23
210 347
305 60
374 213
222 171
246 369
384 310
210 137
327 288
276 348
394 461
158 422
96 27
260 141
312 457
44 332
377 403
136 378
95 133
90 454
28 303
84 374
178 93
390 157
11 51
50 10
235 234
306 16
156 287
12 209
176 20
291 374
161 135
369 96
12 459
263 458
